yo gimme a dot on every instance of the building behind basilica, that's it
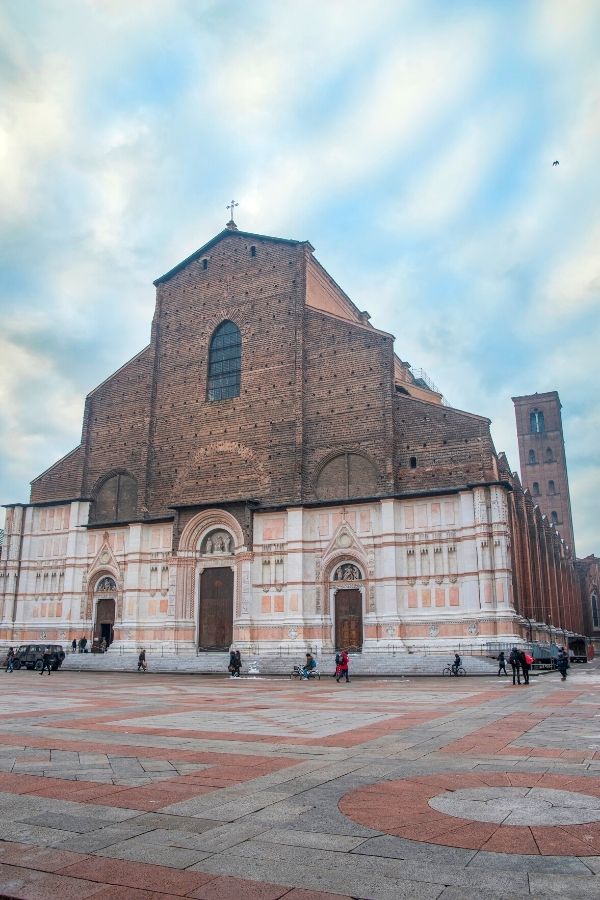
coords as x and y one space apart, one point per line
268 472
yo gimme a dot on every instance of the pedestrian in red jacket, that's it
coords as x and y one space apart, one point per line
342 668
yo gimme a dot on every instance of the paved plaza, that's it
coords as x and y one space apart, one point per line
148 786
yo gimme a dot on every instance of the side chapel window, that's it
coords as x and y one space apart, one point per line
224 362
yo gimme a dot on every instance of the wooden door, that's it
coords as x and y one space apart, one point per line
216 609
348 620
105 620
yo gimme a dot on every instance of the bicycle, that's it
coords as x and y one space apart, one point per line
297 672
453 670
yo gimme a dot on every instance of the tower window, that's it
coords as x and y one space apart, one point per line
205 264
532 458
551 487
536 421
595 611
253 251
549 455
535 490
413 462
554 517
224 362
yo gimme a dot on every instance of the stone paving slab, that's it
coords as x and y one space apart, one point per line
203 788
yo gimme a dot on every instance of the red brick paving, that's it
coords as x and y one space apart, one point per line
400 808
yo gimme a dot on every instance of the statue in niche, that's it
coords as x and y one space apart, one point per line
217 542
106 584
347 572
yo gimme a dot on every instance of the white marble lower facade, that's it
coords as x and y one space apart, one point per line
389 575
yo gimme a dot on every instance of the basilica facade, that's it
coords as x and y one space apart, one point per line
269 473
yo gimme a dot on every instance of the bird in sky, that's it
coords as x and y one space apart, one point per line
556 163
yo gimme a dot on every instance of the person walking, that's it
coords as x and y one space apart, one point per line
515 662
235 663
502 663
343 667
525 665
74 645
142 664
562 663
10 660
46 661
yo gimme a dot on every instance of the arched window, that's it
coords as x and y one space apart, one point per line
116 500
535 490
595 611
532 458
536 421
413 462
224 362
549 455
551 487
554 517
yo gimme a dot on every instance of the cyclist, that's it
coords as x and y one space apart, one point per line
457 662
309 665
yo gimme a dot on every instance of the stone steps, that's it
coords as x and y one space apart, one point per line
369 664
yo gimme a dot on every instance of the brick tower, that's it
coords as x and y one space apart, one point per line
543 460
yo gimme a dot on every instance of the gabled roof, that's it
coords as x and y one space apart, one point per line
227 232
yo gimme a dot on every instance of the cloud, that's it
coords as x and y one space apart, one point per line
412 143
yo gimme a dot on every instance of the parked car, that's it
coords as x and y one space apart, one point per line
30 656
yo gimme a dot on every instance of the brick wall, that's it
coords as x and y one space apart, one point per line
438 447
348 385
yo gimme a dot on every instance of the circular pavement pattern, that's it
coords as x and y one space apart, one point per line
500 812
519 806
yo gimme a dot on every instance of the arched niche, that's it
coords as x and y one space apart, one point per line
347 476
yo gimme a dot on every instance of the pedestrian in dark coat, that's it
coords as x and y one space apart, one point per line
142 665
502 663
525 666
74 645
10 659
46 662
562 663
515 662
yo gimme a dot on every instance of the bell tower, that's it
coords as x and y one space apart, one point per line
543 459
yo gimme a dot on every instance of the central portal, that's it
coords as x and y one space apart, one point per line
348 620
216 609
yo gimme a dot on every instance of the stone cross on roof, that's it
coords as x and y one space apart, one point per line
231 224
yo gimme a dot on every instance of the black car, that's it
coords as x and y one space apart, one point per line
30 656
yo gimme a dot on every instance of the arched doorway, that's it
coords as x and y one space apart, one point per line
348 608
215 630
215 619
105 621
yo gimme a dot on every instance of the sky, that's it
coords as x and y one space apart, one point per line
410 141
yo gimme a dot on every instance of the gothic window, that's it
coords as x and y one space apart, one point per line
595 611
224 362
106 584
551 487
554 517
347 572
535 490
532 458
549 455
413 462
536 421
347 475
116 500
